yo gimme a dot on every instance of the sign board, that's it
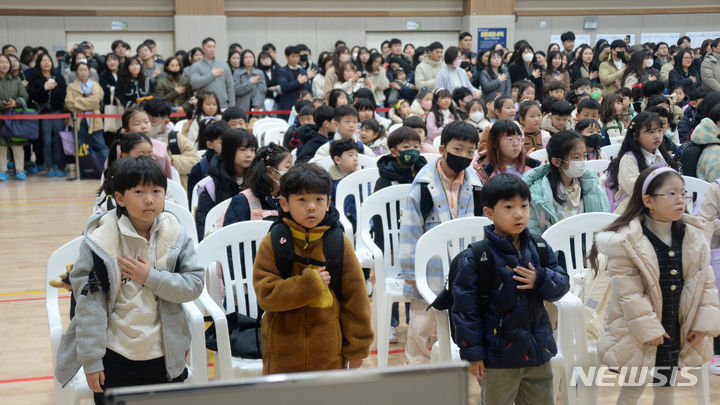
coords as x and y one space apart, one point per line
612 37
119 26
697 38
579 39
655 37
487 37
414 25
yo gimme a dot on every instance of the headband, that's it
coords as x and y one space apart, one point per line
654 174
438 89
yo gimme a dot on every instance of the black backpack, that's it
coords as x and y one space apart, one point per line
173 145
687 158
486 268
426 201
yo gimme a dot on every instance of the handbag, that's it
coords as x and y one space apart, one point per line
21 130
68 141
92 163
115 107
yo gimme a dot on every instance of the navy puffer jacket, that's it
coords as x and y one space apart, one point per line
515 332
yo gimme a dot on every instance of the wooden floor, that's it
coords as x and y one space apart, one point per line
38 216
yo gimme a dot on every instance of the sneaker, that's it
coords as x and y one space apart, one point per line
31 170
50 173
60 173
715 365
20 176
393 335
4 177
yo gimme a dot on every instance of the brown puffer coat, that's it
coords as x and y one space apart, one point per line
306 327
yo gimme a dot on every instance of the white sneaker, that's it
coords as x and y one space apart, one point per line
714 364
393 335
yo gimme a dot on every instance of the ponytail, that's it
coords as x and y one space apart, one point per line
256 177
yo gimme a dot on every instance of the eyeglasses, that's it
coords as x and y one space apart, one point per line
673 196
513 140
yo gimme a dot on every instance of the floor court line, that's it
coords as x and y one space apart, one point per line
26 379
32 299
21 293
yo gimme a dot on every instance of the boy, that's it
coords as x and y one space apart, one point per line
291 134
129 327
211 131
182 153
443 190
689 120
308 326
515 365
312 136
461 96
304 118
596 92
556 90
344 154
559 118
235 117
346 117
580 90
586 109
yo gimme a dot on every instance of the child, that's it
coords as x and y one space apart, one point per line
208 106
564 187
530 117
642 148
505 152
350 80
591 132
475 111
707 134
226 173
461 96
372 135
404 160
657 316
526 91
397 85
422 105
451 185
441 114
135 119
557 90
689 119
418 124
504 107
132 330
344 153
586 109
315 135
670 138
308 326
365 109
337 98
611 110
235 118
182 154
678 94
346 117
400 111
210 139
259 199
511 362
628 113
559 118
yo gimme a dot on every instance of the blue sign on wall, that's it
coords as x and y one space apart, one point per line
487 37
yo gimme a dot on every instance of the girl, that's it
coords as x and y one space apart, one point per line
636 73
109 78
338 97
377 77
611 110
628 112
590 130
151 267
642 148
555 72
441 114
526 91
563 187
495 79
352 80
372 135
340 56
324 63
85 95
663 305
249 82
12 95
505 152
174 87
475 110
400 111
530 118
134 86
260 199
504 109
227 173
418 124
422 104
265 64
207 107
584 66
136 119
361 59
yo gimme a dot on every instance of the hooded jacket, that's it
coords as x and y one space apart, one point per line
708 133
306 327
311 142
426 72
180 280
225 187
391 172
632 316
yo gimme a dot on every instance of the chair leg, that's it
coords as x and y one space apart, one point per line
382 331
703 385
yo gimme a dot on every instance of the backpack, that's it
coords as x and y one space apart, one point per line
486 268
333 248
612 189
256 211
426 201
173 145
687 158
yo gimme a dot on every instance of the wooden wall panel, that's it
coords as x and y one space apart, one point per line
195 7
489 7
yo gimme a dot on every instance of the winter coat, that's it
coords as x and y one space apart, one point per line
380 83
249 94
289 86
311 142
549 78
542 207
187 158
107 80
413 225
39 97
201 78
486 170
131 90
426 72
225 187
547 125
633 312
579 71
516 331
519 72
679 76
444 79
75 102
392 173
301 330
494 87
610 75
12 87
166 91
199 171
687 123
708 133
710 72
179 280
239 209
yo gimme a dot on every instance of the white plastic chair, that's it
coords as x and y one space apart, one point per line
611 150
177 192
436 141
431 157
273 134
695 189
179 125
214 216
195 196
616 140
598 166
239 241
262 126
364 162
393 127
187 222
175 174
539 155
360 185
385 205
293 153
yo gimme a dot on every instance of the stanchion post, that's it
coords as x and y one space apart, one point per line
77 146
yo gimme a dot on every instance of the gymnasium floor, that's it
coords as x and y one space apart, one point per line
40 215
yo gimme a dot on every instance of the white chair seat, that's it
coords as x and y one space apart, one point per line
539 155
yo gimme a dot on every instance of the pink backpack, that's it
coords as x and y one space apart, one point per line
256 211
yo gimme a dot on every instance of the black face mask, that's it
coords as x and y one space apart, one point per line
594 141
620 54
171 73
303 58
457 163
265 67
465 65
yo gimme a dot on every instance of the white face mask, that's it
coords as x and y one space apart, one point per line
155 131
576 168
354 56
477 116
649 62
528 57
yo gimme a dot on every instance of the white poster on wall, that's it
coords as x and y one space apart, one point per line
655 37
697 38
612 37
579 39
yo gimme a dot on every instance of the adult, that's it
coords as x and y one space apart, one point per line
555 72
69 73
568 44
428 69
153 49
465 41
306 58
151 69
175 87
451 76
212 75
109 78
86 95
195 55
376 73
95 61
292 79
662 55
639 70
524 67
250 84
584 66
270 49
684 42
233 60
12 94
612 70
340 56
396 52
264 63
710 68
683 73
133 85
495 80
325 63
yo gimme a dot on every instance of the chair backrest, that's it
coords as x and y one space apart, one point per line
187 222
695 189
430 156
359 185
539 155
178 194
235 245
179 125
213 220
436 141
273 134
611 150
64 255
175 174
261 126
393 127
616 140
598 166
364 162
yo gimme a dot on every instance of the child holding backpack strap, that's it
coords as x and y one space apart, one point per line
506 335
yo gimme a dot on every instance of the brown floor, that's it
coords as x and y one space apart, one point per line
38 216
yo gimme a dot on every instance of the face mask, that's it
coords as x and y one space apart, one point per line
593 141
426 105
171 73
409 157
465 65
303 58
527 57
595 95
649 62
576 168
154 131
620 54
477 116
354 55
457 63
280 172
457 163
265 67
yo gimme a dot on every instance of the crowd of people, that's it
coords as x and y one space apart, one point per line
461 128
